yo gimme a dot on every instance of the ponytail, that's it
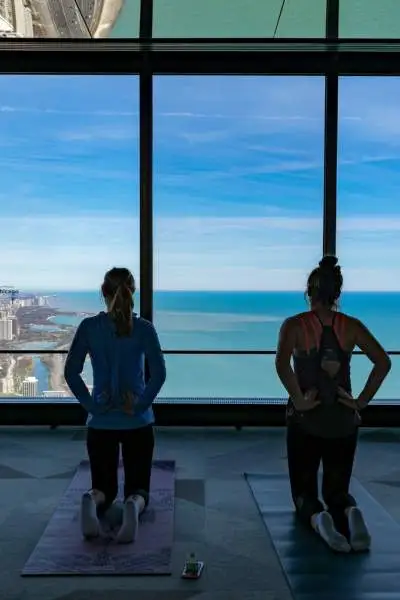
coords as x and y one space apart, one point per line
118 288
121 308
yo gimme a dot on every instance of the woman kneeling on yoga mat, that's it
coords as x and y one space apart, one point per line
120 407
322 416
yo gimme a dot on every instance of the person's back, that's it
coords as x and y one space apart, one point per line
325 340
120 407
120 398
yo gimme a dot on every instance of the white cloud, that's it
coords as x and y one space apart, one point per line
115 132
268 253
53 164
271 247
370 224
372 109
56 111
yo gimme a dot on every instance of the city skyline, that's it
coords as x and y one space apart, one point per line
238 181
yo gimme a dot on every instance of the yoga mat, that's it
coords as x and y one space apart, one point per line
63 551
312 570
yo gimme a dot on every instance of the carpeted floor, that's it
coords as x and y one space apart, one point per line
215 517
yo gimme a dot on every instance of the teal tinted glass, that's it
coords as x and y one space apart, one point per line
238 18
369 19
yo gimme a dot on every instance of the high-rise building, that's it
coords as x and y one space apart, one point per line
6 385
6 16
7 370
30 387
15 327
6 329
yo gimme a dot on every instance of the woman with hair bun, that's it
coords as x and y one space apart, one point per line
120 407
322 415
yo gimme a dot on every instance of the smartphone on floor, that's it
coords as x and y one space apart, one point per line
195 574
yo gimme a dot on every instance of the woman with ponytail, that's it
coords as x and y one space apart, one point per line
322 415
120 407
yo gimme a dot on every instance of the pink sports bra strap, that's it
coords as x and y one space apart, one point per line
317 328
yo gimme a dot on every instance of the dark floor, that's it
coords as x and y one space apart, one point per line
215 517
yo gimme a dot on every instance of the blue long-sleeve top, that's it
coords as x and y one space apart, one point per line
121 399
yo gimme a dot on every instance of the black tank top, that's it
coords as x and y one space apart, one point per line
325 366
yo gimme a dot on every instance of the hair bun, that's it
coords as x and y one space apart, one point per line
328 262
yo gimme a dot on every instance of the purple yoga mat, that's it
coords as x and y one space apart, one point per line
63 551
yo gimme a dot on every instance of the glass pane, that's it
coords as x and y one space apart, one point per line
238 18
37 375
302 19
250 377
361 368
69 18
368 211
221 376
189 377
69 201
369 19
238 187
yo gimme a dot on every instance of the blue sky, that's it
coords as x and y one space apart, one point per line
238 181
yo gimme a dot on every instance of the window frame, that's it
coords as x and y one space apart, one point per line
148 57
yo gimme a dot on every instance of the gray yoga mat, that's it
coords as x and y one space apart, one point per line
312 570
63 551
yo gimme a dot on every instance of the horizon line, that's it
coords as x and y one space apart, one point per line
203 291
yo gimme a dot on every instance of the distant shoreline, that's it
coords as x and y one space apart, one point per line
108 17
59 337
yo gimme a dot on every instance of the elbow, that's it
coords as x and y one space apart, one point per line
67 373
158 374
283 369
280 366
386 365
383 365
163 375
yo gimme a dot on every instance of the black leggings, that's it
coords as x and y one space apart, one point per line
305 453
137 455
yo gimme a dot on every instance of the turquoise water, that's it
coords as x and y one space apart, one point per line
127 24
241 321
39 328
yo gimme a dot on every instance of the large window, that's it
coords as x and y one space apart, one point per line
368 213
238 189
69 211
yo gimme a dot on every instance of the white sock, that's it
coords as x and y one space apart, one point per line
89 520
360 538
133 506
325 527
